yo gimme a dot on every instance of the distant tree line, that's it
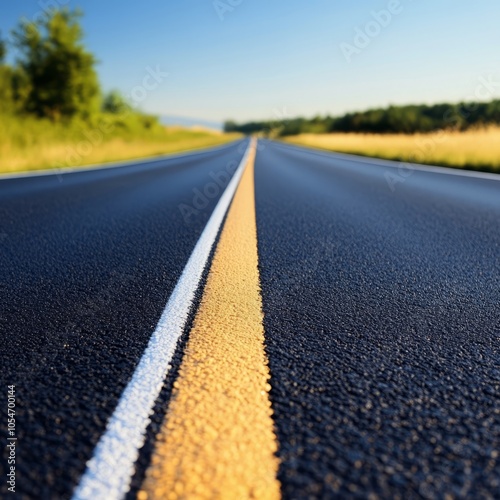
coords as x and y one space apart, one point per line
54 76
394 119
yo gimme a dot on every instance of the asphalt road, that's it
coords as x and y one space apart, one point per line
88 261
382 317
381 298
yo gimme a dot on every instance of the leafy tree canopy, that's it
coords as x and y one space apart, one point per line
115 103
3 50
62 80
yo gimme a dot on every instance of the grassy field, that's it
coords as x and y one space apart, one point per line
474 150
34 144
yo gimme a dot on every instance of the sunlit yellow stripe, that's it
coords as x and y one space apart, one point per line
218 439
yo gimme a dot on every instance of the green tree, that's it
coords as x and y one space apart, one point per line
115 103
230 126
3 50
62 80
6 90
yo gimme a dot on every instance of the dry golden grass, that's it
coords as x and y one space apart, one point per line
37 154
475 149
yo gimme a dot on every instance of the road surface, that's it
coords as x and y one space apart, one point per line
380 292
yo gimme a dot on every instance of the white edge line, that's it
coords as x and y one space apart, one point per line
100 166
109 471
381 162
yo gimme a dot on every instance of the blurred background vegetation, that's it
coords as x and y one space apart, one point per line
463 135
392 120
53 113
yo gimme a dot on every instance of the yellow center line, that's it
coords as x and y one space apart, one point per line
218 438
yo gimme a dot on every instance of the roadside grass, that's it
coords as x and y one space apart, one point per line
29 143
477 149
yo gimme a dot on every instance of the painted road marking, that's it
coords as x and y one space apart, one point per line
218 438
109 472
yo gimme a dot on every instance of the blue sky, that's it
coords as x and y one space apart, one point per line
267 57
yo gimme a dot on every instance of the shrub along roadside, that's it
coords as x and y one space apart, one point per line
32 143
